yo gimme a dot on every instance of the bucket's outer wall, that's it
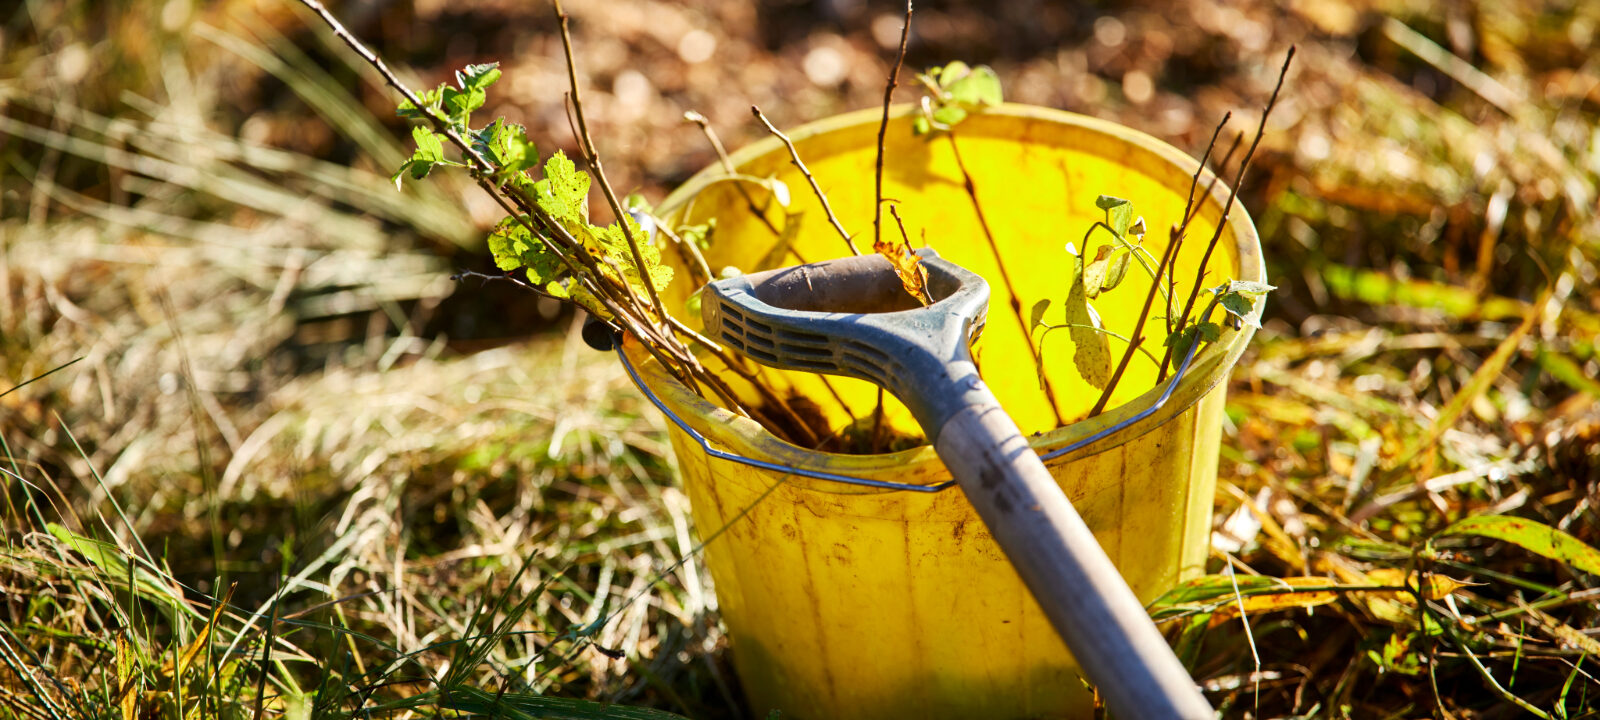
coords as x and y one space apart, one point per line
850 604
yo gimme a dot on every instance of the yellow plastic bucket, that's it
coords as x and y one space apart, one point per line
847 602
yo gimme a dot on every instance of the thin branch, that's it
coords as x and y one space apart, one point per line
565 246
1190 211
593 159
727 166
1188 204
883 130
808 439
1005 275
1227 208
794 156
1167 257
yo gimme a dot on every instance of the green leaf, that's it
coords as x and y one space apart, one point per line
507 146
429 152
478 77
951 72
948 116
1093 354
431 99
1119 270
921 125
1207 588
513 247
700 234
564 191
1180 342
1241 307
978 87
693 305
1533 536
1106 202
1250 287
430 146
1094 274
113 562
1036 315
459 104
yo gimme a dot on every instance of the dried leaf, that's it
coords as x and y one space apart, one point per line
913 276
1094 273
1288 595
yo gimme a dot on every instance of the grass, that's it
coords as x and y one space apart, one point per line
292 471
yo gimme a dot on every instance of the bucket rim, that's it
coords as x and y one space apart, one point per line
744 436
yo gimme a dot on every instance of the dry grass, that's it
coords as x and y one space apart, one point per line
284 409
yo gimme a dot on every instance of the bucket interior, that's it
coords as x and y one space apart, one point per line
1037 180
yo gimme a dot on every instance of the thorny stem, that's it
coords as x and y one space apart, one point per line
481 168
691 254
1194 182
1005 275
1227 208
1168 257
755 209
593 159
794 156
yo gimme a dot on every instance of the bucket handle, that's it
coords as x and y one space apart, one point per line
705 444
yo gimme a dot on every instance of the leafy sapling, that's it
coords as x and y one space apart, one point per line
1238 298
954 91
559 198
1103 272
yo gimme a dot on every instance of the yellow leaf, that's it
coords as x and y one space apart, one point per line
1292 594
127 679
908 267
175 671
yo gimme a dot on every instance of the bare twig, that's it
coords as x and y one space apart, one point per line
883 130
808 437
727 166
877 193
1189 206
1227 208
794 156
1005 275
